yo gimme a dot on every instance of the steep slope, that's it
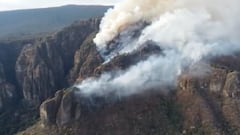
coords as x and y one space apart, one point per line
10 93
9 52
41 68
158 67
208 105
33 70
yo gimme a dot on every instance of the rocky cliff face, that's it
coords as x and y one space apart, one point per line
32 71
42 69
208 104
86 59
204 102
200 105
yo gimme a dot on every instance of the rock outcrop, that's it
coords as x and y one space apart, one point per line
49 109
232 85
200 105
86 59
135 115
31 71
42 67
208 104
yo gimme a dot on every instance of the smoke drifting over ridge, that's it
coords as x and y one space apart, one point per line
126 13
188 32
132 11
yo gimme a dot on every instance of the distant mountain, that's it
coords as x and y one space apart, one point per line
24 23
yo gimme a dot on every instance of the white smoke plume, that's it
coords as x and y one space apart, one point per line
143 76
132 11
126 13
188 31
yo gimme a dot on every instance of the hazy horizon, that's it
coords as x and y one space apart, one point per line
32 4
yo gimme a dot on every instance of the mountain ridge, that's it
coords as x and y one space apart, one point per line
46 69
198 105
24 23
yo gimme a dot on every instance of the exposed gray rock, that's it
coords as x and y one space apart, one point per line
66 109
232 85
49 109
42 67
217 80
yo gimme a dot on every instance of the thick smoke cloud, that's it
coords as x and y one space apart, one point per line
132 11
126 13
188 32
143 76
